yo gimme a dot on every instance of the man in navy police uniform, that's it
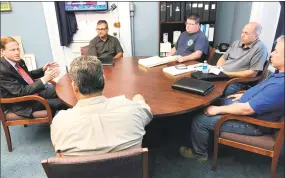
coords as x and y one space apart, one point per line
191 44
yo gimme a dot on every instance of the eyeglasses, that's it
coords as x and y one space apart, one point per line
190 23
100 29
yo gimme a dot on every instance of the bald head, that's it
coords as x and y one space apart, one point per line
250 33
256 27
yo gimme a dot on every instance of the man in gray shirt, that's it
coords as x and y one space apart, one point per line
104 45
96 124
245 57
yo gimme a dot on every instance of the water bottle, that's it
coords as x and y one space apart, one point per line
205 67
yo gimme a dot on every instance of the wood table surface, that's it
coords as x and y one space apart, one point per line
128 78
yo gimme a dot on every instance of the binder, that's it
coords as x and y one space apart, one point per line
183 14
163 11
211 33
188 9
194 7
213 7
200 9
177 11
206 12
169 11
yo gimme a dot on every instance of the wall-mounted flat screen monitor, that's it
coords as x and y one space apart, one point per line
86 6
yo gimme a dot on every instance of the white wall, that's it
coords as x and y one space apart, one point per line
87 30
267 14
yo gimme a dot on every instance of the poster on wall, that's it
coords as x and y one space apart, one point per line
5 6
30 61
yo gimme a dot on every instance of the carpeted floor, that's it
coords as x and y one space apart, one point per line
32 144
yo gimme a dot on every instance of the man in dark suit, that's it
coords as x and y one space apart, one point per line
16 81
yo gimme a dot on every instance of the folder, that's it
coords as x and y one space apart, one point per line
194 7
192 85
213 7
188 7
163 11
206 12
183 12
211 33
200 9
177 11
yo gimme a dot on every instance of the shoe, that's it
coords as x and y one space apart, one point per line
187 153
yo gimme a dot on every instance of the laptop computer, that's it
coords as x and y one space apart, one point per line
210 77
107 61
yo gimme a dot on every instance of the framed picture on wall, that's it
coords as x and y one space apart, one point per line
30 61
5 6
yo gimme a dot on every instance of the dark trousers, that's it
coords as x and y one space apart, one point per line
54 102
202 125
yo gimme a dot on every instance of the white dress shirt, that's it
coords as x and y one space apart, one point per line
100 125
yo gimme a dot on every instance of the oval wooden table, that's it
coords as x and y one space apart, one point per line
128 78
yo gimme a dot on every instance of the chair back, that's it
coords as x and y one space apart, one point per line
84 50
211 55
124 164
263 73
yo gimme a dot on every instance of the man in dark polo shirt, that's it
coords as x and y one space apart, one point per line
264 101
104 45
191 44
245 57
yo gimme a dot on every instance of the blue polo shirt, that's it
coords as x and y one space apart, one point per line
188 43
267 98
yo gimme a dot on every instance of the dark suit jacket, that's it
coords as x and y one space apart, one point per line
13 85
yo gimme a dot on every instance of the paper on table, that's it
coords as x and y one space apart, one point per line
215 70
155 61
173 71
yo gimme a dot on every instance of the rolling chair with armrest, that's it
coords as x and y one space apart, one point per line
123 164
268 145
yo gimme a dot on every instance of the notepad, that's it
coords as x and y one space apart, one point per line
156 61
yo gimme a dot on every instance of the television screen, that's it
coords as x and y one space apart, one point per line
86 6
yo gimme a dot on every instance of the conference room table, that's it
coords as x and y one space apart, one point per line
129 78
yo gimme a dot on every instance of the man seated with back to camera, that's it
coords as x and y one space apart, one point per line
245 57
104 45
264 101
17 81
96 124
191 44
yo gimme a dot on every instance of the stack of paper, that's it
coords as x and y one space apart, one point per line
155 61
174 71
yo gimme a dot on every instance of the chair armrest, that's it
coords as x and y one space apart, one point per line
53 83
242 91
243 80
28 98
275 125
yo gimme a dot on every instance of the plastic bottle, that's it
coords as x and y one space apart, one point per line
205 67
